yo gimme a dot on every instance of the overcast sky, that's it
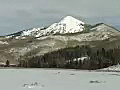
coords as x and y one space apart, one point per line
16 15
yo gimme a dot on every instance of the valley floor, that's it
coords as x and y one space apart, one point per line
56 79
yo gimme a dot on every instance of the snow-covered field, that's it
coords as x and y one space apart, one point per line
50 79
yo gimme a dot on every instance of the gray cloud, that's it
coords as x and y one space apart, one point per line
20 14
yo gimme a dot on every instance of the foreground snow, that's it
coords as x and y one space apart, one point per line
47 79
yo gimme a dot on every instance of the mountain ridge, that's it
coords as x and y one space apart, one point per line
67 25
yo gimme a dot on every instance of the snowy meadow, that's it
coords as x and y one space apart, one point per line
56 79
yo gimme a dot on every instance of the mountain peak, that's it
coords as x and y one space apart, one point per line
68 24
69 19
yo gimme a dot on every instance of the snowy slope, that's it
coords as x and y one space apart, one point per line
104 28
29 32
112 68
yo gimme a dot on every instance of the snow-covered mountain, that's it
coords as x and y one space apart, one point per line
38 41
67 25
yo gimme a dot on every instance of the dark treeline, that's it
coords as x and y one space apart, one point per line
79 57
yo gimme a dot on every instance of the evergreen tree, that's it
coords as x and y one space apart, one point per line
7 63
